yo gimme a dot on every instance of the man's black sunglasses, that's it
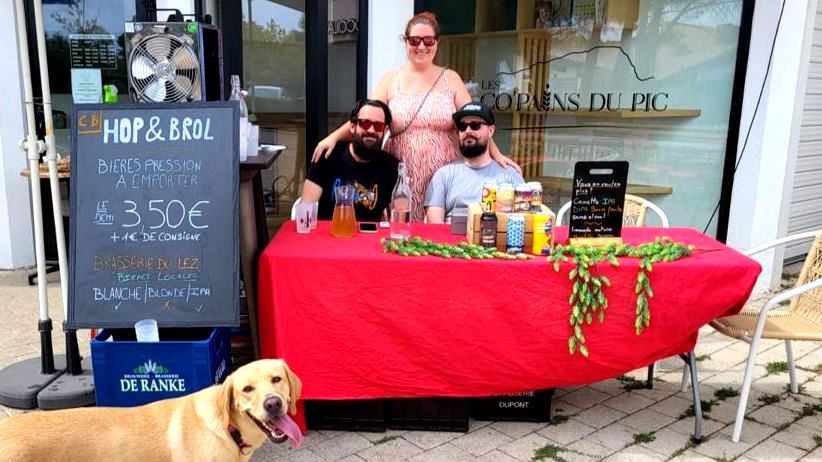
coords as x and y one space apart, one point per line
462 126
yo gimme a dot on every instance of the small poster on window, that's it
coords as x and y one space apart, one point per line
86 86
558 12
542 14
584 12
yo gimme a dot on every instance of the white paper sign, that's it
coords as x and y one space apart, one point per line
86 86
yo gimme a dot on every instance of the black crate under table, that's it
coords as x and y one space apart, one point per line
433 414
531 406
366 415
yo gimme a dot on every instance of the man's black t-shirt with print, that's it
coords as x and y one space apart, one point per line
373 181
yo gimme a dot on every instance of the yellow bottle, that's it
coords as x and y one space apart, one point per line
543 234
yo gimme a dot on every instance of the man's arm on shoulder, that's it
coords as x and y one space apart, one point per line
435 198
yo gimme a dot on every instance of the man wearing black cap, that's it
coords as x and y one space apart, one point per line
458 184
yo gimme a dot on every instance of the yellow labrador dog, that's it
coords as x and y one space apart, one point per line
222 423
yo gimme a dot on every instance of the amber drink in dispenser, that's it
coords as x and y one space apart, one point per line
343 223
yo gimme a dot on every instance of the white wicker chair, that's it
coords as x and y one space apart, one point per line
294 208
802 320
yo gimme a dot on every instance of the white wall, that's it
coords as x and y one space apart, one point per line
16 241
386 23
763 180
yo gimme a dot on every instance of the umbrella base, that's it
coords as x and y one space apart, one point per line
21 382
69 390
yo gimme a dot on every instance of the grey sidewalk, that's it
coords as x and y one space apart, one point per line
602 421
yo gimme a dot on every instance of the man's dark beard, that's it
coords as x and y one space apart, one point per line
472 151
364 151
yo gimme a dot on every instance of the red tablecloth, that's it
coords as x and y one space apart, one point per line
356 323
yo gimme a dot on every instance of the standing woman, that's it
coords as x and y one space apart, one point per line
422 97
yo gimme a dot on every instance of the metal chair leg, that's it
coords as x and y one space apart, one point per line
649 382
791 366
690 361
683 386
746 388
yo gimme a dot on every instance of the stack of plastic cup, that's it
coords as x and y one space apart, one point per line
147 330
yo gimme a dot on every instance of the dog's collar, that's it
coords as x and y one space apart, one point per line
245 448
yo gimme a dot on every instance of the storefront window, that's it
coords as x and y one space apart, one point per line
93 30
274 75
647 81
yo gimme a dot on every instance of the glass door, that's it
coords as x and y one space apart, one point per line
274 71
343 38
84 42
84 52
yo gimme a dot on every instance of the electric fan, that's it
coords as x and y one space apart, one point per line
167 62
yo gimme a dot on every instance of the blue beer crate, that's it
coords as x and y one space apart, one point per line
131 373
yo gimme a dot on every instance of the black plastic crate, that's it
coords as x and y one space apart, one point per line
531 406
366 415
434 414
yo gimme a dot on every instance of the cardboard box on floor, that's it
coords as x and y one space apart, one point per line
473 228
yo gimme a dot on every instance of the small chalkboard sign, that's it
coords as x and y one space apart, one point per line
597 198
154 215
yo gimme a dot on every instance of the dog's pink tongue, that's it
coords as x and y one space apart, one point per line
290 428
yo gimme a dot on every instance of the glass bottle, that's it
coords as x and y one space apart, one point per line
237 95
401 206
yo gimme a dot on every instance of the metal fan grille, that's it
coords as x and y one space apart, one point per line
164 68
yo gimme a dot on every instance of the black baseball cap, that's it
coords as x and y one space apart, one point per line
474 108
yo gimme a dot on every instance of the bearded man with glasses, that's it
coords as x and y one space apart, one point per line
459 183
360 162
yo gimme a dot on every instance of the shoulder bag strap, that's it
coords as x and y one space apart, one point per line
410 121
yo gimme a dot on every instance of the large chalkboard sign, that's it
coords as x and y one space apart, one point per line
154 215
597 198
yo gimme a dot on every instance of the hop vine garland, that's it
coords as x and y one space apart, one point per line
418 247
588 298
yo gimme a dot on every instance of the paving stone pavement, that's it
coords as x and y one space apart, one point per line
601 421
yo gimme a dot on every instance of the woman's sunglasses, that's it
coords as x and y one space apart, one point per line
415 40
365 124
462 126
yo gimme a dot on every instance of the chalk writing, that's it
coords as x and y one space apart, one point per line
102 215
126 130
155 200
165 214
597 198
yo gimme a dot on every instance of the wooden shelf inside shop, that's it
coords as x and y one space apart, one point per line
628 114
500 34
564 184
620 114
